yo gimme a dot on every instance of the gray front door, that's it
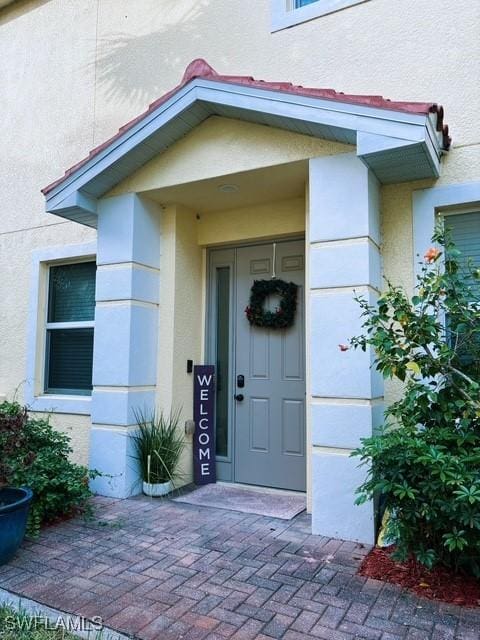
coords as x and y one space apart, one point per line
269 422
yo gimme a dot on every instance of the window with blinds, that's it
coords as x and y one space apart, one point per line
464 231
70 327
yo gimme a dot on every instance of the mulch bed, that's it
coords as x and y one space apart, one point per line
438 584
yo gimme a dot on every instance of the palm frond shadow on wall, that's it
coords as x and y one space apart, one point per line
140 68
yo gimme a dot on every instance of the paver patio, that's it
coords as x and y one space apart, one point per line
157 569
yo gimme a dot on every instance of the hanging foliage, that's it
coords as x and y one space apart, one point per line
284 315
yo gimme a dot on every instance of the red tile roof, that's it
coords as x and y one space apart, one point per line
199 68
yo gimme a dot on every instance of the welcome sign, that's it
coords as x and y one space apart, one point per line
204 470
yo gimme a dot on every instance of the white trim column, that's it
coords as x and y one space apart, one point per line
345 393
125 345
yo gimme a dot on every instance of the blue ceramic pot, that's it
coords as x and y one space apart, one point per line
14 506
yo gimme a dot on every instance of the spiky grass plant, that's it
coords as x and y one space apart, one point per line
158 445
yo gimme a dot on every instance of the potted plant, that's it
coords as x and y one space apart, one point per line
14 506
158 446
34 455
14 502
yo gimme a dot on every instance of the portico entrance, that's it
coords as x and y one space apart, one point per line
260 417
218 161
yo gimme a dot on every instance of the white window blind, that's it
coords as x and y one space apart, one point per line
464 229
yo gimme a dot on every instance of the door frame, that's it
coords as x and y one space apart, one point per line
226 258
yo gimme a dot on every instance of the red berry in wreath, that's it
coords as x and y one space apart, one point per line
284 315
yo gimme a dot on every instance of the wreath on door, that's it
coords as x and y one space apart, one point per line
284 315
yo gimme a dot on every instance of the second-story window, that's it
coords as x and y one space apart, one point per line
303 3
288 13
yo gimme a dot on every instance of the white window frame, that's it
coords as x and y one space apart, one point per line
444 214
82 324
428 204
35 397
284 14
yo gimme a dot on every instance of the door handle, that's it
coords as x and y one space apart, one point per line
238 397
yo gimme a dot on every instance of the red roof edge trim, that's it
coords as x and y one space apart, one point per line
200 68
441 127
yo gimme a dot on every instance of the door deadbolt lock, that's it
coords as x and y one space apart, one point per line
240 381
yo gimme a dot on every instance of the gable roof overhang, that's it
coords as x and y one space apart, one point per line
398 141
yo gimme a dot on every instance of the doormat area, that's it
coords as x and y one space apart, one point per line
268 503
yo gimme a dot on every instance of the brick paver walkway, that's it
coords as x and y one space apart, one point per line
162 570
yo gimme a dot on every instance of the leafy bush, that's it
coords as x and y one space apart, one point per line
34 455
425 462
158 446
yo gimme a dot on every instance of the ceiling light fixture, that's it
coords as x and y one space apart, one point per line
228 188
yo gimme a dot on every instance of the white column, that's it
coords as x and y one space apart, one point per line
125 345
345 393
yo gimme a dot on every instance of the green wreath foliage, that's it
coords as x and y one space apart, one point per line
284 315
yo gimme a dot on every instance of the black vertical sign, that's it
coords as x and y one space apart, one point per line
204 470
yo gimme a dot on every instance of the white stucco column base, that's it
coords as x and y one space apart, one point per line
112 453
125 345
345 394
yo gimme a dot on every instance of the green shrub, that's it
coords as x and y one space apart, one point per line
424 464
34 455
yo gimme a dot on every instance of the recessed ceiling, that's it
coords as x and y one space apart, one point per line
281 182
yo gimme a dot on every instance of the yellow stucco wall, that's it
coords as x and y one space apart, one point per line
410 54
47 100
73 72
15 287
272 220
188 323
221 146
78 430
